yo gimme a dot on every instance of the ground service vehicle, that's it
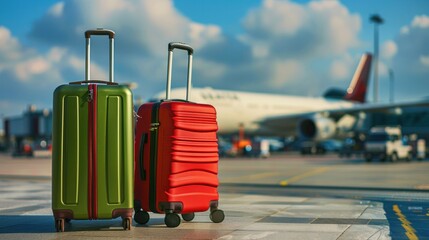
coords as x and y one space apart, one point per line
386 143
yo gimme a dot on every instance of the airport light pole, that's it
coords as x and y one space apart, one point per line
377 20
392 82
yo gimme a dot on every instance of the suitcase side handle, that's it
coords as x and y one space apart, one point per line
190 50
99 31
143 141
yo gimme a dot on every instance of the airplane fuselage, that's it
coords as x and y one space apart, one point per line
235 109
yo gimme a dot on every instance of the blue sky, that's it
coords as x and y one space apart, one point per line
287 47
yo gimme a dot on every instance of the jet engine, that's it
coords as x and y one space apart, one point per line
317 128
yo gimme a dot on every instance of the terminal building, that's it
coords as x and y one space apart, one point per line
413 120
29 132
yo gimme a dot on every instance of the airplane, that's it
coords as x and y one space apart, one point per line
315 119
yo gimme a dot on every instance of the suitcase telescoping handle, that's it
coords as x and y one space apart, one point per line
182 46
99 31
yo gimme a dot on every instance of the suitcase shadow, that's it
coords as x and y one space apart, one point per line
153 223
10 224
26 224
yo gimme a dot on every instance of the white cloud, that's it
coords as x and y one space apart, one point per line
97 73
389 49
56 54
410 64
284 18
9 47
28 73
383 69
143 30
405 30
308 35
410 48
424 60
199 33
287 29
340 70
212 70
57 9
22 62
285 72
341 26
421 21
279 39
26 69
76 63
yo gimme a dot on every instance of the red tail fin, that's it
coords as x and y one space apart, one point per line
357 90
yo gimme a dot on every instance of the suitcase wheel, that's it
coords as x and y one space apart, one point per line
126 223
217 216
59 224
172 220
188 216
141 217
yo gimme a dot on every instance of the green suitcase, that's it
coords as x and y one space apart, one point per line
92 155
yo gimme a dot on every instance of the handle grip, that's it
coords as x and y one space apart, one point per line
93 81
182 46
100 31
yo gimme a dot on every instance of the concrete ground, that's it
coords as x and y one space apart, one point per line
25 212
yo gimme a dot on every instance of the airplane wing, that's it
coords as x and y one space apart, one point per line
321 119
379 108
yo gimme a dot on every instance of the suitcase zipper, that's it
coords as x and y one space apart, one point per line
92 152
90 147
153 156
154 126
90 95
94 159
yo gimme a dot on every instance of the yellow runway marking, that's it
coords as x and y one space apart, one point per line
254 176
304 175
410 231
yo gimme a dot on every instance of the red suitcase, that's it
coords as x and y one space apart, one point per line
176 157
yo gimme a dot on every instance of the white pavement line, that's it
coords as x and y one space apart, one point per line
256 235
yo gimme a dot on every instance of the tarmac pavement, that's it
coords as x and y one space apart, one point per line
25 212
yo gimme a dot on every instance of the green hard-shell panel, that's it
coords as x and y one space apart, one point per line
70 150
115 144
